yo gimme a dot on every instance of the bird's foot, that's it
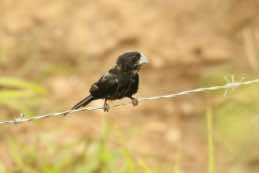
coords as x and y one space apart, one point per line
106 107
134 101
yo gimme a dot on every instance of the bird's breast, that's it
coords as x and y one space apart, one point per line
124 88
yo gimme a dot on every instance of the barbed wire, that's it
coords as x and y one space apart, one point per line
230 85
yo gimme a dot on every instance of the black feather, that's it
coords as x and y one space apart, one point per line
83 102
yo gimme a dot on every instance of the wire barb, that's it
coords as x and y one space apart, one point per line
230 81
230 85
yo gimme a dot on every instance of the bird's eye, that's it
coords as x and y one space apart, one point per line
135 60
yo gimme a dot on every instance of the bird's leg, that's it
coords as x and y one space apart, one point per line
134 101
106 107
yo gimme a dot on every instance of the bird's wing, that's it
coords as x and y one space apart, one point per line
105 86
132 86
135 84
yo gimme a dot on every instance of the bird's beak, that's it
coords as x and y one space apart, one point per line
142 60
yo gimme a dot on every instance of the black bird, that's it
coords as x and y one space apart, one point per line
120 81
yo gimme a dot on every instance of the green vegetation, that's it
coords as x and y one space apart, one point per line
233 125
19 94
211 151
237 117
78 157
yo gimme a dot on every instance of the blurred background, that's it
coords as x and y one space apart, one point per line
51 51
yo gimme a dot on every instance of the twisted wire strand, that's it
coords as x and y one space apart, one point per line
230 85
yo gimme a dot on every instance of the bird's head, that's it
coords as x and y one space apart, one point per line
131 61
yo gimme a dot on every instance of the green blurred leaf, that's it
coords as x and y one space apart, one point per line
129 163
19 94
15 94
21 84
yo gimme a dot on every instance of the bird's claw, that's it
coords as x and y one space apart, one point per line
106 107
134 101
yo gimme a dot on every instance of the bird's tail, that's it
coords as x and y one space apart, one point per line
83 102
